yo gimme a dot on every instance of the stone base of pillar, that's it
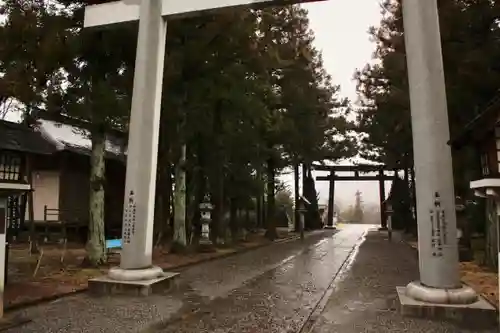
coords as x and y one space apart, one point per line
134 282
330 227
382 229
120 274
461 306
419 292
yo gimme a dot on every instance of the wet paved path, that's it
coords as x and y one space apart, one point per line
271 289
275 291
331 283
364 299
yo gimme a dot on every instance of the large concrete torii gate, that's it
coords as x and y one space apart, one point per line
439 275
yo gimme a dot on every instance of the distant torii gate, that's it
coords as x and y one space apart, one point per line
358 176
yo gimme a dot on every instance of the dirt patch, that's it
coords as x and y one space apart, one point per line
481 279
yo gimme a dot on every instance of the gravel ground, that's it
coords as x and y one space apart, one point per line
271 289
365 299
199 285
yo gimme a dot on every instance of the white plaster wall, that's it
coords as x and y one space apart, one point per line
46 186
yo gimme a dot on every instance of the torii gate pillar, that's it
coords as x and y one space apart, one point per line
437 242
137 273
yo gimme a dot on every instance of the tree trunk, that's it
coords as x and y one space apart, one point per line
271 232
233 218
304 178
296 213
31 209
199 196
259 213
180 239
247 219
162 228
96 244
217 213
189 201
217 184
162 200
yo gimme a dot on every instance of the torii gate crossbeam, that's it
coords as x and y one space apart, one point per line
125 12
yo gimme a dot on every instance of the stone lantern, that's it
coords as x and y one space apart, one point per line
206 217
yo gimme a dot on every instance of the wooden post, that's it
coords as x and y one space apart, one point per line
304 174
331 200
381 188
33 244
258 211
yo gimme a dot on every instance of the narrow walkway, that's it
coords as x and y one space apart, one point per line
213 291
278 300
364 298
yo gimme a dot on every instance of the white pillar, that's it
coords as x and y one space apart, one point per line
137 233
437 243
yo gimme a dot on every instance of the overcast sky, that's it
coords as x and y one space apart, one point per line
341 30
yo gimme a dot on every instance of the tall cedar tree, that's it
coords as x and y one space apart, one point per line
245 95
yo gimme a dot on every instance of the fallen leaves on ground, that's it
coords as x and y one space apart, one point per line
481 280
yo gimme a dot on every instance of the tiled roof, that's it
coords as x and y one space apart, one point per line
77 140
19 137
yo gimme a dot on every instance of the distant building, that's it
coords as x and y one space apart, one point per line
61 170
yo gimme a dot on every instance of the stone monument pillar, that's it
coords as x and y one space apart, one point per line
137 233
437 244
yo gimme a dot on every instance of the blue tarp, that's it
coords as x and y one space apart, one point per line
113 243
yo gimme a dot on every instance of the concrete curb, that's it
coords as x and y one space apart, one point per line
22 305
